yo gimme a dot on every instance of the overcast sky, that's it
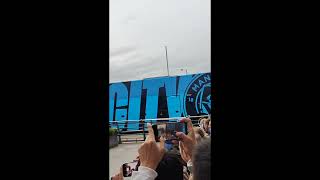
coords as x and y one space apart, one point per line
139 30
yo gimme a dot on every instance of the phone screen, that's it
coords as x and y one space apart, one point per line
168 131
128 168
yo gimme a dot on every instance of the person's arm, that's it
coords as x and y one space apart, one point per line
150 155
144 173
189 166
187 142
184 156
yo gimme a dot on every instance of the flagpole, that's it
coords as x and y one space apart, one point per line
167 60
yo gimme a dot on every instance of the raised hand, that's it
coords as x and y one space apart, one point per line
187 142
150 154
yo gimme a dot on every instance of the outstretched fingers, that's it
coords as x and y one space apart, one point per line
150 136
190 128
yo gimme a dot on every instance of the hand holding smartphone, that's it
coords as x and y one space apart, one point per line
128 168
168 131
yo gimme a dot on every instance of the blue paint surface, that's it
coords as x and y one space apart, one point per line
160 97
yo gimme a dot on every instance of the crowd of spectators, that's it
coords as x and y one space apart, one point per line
190 160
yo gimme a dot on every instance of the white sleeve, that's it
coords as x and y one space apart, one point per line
189 166
144 173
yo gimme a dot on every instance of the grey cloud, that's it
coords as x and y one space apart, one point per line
122 51
130 19
138 70
152 66
141 29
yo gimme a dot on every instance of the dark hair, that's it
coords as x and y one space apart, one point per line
201 160
170 168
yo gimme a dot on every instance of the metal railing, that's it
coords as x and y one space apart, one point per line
123 126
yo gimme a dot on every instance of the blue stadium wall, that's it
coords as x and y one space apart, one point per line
161 97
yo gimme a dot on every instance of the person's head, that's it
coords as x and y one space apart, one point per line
201 120
199 133
209 128
206 125
170 168
201 160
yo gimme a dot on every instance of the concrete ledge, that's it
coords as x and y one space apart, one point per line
113 141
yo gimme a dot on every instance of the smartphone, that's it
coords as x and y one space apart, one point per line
168 130
128 168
